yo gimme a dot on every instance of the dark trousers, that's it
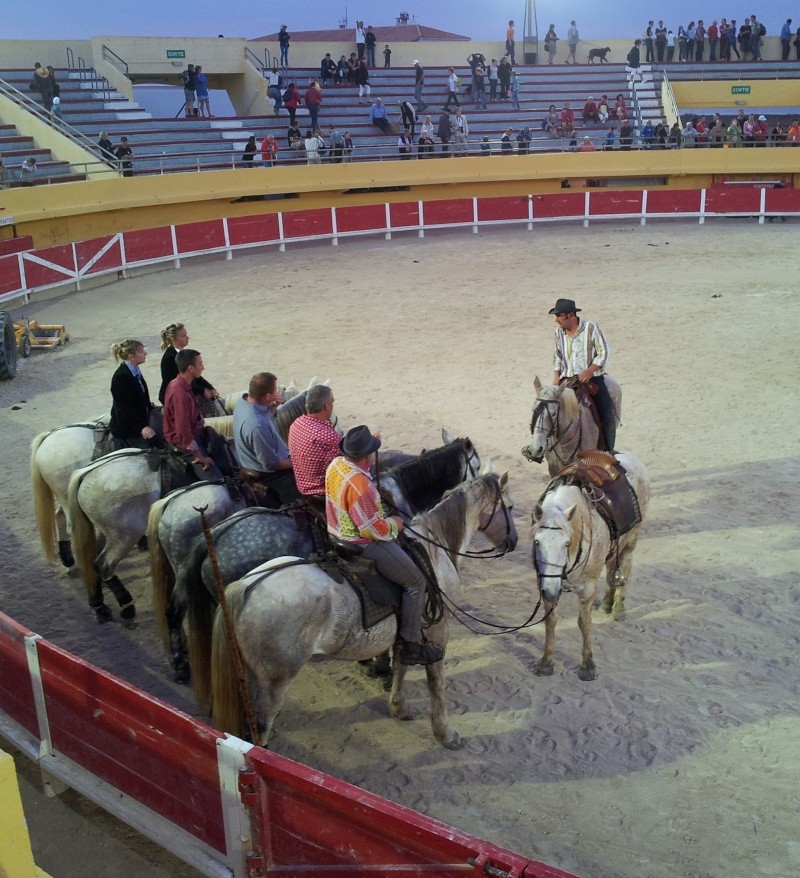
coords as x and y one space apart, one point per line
605 408
660 46
393 563
282 483
648 47
212 445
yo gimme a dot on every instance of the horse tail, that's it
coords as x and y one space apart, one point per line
85 545
223 424
227 707
200 608
44 502
161 572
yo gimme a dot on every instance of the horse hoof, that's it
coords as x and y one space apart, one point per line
142 544
618 615
587 673
453 742
104 614
543 669
407 715
387 683
130 623
182 674
73 572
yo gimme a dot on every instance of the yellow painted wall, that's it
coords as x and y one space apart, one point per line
763 93
16 858
61 214
47 137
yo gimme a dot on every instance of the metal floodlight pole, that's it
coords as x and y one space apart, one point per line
530 36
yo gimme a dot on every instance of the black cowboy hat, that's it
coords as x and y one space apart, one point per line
564 306
359 442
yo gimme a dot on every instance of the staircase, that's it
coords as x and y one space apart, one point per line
15 148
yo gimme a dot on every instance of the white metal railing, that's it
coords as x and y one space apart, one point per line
668 101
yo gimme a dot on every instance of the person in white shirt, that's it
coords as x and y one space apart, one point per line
452 89
312 148
573 38
460 132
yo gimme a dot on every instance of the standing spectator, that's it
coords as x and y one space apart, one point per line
699 40
504 77
56 86
494 78
480 87
27 172
724 40
250 150
786 36
691 33
743 39
515 85
452 89
748 129
573 38
761 131
4 180
475 60
587 145
327 69
661 136
611 138
793 134
371 39
125 154
506 143
335 146
510 43
419 83
378 116
189 83
713 39
734 133
444 131
661 41
56 116
675 135
106 148
45 85
550 44
361 40
269 151
460 132
409 116
486 147
717 133
625 134
291 100
523 138
567 119
689 135
634 58
683 42
757 31
347 147
649 43
313 99
777 136
201 84
274 83
387 57
797 44
426 139
362 80
283 40
312 148
404 144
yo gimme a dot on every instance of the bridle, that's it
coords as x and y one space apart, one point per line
563 576
554 438
473 472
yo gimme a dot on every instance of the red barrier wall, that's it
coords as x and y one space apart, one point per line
16 692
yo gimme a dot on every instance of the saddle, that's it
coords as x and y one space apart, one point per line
601 477
379 597
103 440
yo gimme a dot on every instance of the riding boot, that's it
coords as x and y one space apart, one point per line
425 653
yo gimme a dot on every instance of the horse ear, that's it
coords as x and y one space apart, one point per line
536 513
327 382
537 384
446 437
312 382
571 511
487 467
503 480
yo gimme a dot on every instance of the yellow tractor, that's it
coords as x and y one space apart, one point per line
19 337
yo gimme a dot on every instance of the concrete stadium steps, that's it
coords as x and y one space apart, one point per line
16 147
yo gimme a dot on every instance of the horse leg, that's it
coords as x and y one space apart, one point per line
64 545
177 640
446 736
112 553
398 707
587 671
544 667
96 602
617 575
267 698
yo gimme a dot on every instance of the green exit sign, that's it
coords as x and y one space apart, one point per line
180 53
740 89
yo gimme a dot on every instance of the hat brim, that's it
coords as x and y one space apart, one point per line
373 445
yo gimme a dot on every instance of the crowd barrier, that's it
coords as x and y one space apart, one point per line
25 272
229 809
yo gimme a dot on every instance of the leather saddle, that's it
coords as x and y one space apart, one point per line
602 479
103 440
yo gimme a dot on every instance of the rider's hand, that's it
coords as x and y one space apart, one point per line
585 376
148 433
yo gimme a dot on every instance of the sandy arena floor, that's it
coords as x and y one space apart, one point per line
683 757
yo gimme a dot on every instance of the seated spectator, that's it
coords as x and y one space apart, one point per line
689 135
572 146
587 145
352 67
551 121
341 70
620 108
486 146
27 172
611 138
425 142
778 135
378 117
602 110
717 134
761 131
404 144
662 136
294 137
648 135
793 134
4 178
327 69
523 139
676 136
590 113
625 134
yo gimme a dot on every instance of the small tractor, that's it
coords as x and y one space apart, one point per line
20 337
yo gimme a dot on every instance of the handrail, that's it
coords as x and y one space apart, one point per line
637 109
666 87
31 106
70 59
81 67
113 57
268 58
251 56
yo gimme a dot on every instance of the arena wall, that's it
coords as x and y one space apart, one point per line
763 93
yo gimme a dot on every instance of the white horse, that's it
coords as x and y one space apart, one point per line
284 618
571 545
55 455
562 425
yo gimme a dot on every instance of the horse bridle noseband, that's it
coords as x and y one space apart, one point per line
553 437
564 575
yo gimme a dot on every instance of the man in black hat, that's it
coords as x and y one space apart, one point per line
581 351
355 516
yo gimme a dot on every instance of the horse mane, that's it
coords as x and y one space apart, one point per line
423 480
569 402
449 527
289 412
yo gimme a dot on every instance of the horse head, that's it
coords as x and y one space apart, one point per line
556 546
496 521
550 401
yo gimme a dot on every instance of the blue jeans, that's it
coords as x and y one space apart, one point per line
480 98
370 56
284 56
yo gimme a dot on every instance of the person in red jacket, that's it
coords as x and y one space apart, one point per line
313 99
761 131
567 120
291 100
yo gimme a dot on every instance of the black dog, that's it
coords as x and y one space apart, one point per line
599 53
